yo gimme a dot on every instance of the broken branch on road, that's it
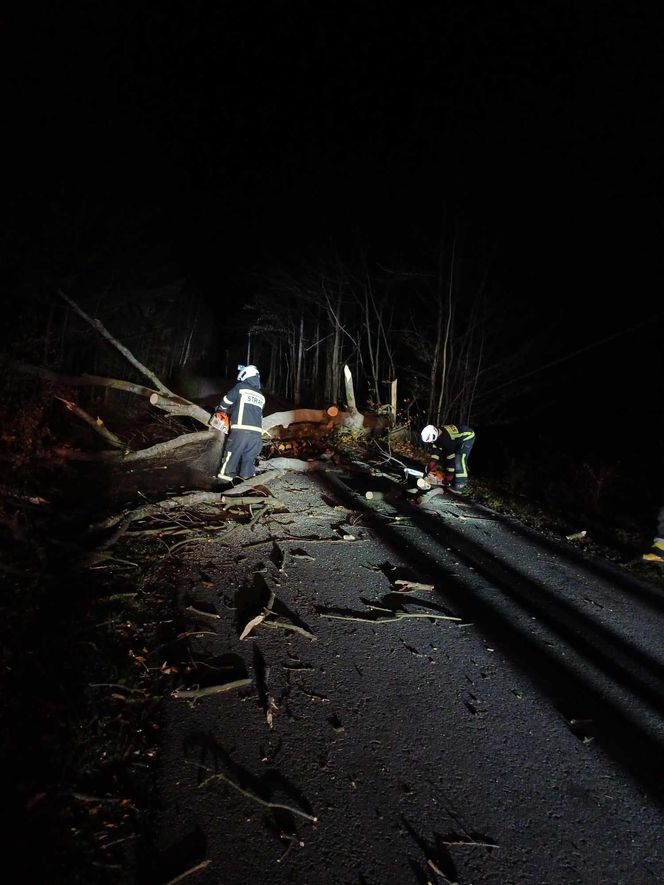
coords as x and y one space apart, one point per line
265 802
392 619
186 693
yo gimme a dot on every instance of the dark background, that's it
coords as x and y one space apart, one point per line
216 140
236 135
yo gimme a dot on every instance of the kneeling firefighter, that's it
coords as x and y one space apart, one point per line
452 444
244 405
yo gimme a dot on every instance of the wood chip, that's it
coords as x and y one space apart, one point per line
408 586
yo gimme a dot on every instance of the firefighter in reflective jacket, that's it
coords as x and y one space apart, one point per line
244 404
452 444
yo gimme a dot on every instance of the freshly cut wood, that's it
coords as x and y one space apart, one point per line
382 496
355 418
297 416
321 417
351 419
388 496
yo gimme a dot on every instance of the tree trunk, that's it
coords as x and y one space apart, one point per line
355 419
297 392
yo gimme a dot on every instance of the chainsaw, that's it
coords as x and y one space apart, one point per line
219 421
427 479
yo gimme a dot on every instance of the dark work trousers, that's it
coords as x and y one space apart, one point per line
454 448
242 449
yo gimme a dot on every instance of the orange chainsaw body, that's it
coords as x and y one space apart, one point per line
219 421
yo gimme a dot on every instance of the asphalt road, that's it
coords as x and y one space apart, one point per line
515 737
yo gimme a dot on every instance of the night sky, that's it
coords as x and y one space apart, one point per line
245 133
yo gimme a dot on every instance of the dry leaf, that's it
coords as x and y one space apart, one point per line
254 622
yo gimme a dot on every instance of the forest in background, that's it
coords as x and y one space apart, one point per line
437 326
434 323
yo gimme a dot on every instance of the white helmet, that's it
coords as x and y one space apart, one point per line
429 434
247 372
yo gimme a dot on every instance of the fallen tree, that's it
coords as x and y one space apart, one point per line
303 423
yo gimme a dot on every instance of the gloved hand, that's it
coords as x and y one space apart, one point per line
431 466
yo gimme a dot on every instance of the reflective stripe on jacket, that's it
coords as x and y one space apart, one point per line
453 439
244 403
461 432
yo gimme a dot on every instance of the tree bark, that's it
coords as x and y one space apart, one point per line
175 405
166 448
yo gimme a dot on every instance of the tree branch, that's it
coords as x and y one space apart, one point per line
99 327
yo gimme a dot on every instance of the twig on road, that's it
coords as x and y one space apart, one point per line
398 616
250 795
284 625
210 689
199 866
